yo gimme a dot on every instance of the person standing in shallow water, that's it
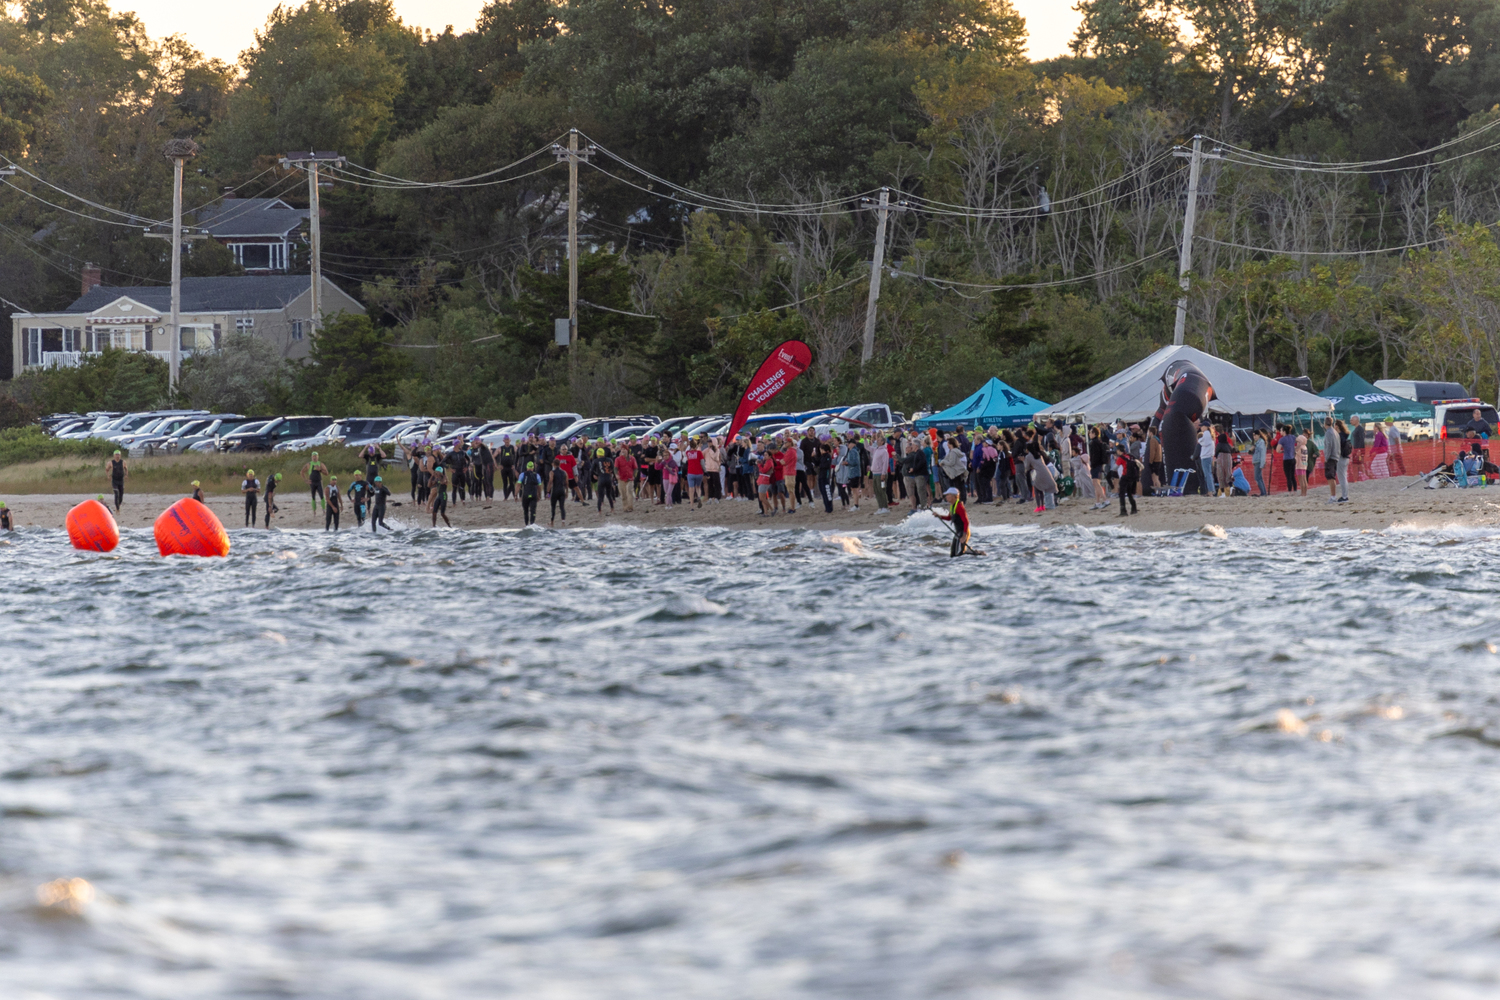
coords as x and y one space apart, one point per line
378 493
313 472
558 494
333 503
439 486
6 524
251 489
529 486
118 470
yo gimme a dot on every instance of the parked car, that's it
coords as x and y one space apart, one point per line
322 439
163 421
217 424
94 422
225 441
592 428
671 425
166 430
545 424
275 431
626 433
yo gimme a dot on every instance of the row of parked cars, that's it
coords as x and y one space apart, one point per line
170 432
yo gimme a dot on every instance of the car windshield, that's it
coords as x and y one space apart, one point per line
251 428
367 427
1459 416
189 427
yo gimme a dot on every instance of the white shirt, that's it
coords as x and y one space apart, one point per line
1206 444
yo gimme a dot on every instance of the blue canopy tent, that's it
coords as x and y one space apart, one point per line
994 405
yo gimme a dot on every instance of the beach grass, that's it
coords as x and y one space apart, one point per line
167 474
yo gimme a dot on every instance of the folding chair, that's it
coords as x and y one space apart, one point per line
1179 482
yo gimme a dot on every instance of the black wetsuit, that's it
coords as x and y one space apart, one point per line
487 465
559 494
251 489
5 521
377 513
333 502
530 488
371 456
440 501
507 471
315 479
270 498
358 493
117 479
198 494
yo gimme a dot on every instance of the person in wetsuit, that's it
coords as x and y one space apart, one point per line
487 470
457 466
272 481
602 475
371 455
118 470
333 502
251 488
6 524
439 483
359 492
558 493
313 472
960 519
507 459
198 491
378 493
530 488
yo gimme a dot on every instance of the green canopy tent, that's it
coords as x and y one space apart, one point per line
1353 396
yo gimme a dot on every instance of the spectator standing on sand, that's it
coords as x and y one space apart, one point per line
1335 467
1395 458
1379 449
1207 486
1258 461
1357 457
1288 446
1299 457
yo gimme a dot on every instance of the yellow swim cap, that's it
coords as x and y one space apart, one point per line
601 452
196 483
249 472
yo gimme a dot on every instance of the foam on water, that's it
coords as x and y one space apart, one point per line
789 763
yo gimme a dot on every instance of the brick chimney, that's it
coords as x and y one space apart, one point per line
92 277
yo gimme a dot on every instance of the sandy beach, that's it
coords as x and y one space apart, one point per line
1376 505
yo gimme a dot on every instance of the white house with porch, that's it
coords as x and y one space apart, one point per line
276 308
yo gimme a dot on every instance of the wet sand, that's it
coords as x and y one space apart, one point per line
1376 505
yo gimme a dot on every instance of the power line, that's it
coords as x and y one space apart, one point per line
459 181
1270 161
953 285
1324 253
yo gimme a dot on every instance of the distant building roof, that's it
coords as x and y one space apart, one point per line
237 294
234 217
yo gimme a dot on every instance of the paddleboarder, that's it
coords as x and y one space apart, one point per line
959 519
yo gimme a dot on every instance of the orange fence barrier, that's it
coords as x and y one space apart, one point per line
1409 459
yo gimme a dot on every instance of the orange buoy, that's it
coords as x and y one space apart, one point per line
188 528
92 527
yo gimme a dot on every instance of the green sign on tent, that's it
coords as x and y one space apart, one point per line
1352 395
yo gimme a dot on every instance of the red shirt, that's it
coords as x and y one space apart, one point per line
568 462
788 460
694 462
625 468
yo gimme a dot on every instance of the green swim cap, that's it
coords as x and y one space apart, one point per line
249 472
531 465
315 455
278 477
117 453
601 452
358 473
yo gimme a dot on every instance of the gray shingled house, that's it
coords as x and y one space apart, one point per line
276 308
258 231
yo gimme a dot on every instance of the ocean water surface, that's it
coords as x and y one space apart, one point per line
785 764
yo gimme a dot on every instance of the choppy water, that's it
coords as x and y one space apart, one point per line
694 763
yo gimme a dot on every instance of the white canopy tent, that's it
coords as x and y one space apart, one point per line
1135 393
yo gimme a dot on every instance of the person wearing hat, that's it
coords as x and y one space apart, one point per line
5 522
118 470
272 481
960 520
333 503
198 491
359 492
529 486
602 475
378 493
439 487
313 472
251 488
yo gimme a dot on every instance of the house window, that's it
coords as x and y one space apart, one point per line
245 324
72 340
253 256
33 337
296 329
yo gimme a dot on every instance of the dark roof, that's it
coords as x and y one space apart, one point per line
251 217
240 294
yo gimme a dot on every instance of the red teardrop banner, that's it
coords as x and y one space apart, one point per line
774 374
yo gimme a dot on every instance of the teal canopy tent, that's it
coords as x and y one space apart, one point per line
994 405
1352 395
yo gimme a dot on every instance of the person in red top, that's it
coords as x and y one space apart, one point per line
625 470
568 462
693 459
787 460
960 519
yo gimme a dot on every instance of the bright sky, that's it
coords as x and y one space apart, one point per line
226 29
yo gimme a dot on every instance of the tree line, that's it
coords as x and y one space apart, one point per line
1037 240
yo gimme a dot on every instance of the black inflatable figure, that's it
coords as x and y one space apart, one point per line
1184 399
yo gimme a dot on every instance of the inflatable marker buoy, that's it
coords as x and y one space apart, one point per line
92 528
188 528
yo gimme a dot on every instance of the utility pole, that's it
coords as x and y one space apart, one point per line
883 209
179 151
573 155
1189 219
310 161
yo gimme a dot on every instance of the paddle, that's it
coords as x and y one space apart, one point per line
967 550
